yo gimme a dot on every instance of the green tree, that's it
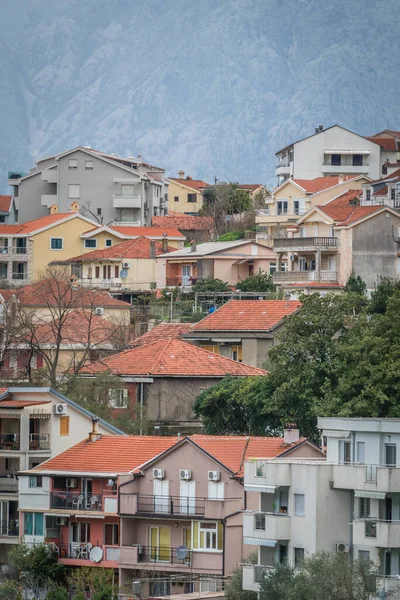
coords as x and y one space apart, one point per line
327 575
222 201
260 282
355 285
380 296
100 583
37 566
231 236
210 285
234 587
57 592
9 590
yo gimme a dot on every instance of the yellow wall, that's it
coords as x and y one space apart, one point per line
182 191
140 274
324 197
101 241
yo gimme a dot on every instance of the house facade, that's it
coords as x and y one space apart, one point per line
35 424
200 229
8 213
106 236
243 330
106 187
185 195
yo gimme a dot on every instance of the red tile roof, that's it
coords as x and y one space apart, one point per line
5 203
386 143
21 403
358 213
150 232
250 186
136 248
164 331
78 328
109 454
351 196
184 222
196 184
312 186
387 177
32 226
343 211
171 358
248 315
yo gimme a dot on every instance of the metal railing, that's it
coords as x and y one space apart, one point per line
304 276
162 554
183 280
303 242
344 163
76 501
9 441
20 276
100 283
39 441
279 212
9 528
170 505
13 250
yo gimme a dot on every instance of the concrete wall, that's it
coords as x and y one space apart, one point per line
29 198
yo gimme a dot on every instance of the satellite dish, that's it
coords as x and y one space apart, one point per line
124 274
96 554
182 552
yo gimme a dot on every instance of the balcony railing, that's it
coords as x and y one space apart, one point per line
9 528
279 212
76 501
39 441
8 485
186 280
20 276
306 242
9 441
304 276
115 282
13 250
170 505
156 554
344 163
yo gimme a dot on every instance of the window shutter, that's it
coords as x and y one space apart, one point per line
220 536
108 534
64 425
39 361
195 539
97 272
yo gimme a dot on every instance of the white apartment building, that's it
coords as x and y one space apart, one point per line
349 502
332 151
35 424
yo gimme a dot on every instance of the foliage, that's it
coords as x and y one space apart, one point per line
57 592
231 236
328 575
38 566
355 285
260 282
210 285
100 582
380 296
233 588
222 202
9 590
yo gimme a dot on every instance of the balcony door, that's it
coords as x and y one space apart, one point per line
161 496
160 543
390 455
188 497
186 273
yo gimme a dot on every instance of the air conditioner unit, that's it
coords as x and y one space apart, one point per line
158 473
60 409
185 474
126 265
60 520
99 311
214 475
72 483
342 547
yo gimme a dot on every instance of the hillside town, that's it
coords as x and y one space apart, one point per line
199 380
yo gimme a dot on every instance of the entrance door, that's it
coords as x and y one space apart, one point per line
161 496
186 272
188 497
160 543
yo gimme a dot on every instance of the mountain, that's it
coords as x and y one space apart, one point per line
213 88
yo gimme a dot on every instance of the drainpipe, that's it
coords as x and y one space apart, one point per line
141 408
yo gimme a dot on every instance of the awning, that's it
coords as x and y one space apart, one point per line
10 415
346 152
89 516
367 494
267 489
39 416
257 542
55 514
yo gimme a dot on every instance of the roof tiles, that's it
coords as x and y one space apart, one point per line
136 248
312 186
5 203
185 222
195 184
164 331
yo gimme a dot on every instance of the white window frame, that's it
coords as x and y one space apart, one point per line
207 533
74 193
73 164
299 499
90 240
272 268
118 398
62 243
35 481
89 165
106 244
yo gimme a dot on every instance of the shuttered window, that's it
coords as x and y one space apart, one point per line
64 425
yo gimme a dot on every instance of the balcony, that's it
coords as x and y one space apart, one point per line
184 281
276 212
265 476
283 168
253 576
153 555
49 175
368 478
39 441
9 441
305 276
170 505
127 201
48 199
382 534
344 168
92 282
9 528
273 526
20 277
64 500
8 485
9 250
78 554
310 244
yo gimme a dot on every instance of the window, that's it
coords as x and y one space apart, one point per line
344 452
74 190
296 207
302 264
116 271
108 242
176 198
64 425
361 453
111 534
259 521
34 524
127 190
2 218
90 243
99 211
272 268
216 490
357 160
393 193
368 195
118 398
331 263
81 533
282 207
207 536
73 164
192 197
298 557
208 585
35 481
56 243
390 455
299 505
336 160
187 537
160 588
237 353
363 555
97 272
365 507
89 164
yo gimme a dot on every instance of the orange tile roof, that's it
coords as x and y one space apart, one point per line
164 331
78 327
386 143
150 232
358 213
387 177
343 211
250 186
21 403
137 248
109 454
248 315
312 186
185 222
351 196
171 358
32 226
5 203
196 184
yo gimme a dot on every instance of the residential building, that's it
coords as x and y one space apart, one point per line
35 424
228 261
338 239
331 151
164 378
185 195
384 191
243 330
163 331
128 268
295 197
106 187
8 213
389 142
196 228
105 236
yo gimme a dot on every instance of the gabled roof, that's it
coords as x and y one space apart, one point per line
171 358
319 184
136 248
382 192
250 186
386 143
38 225
164 331
213 248
394 133
131 232
317 133
194 184
184 222
362 212
109 455
5 203
248 315
387 178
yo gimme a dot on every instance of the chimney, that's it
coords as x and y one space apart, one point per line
181 174
291 434
95 435
152 249
189 178
74 208
139 158
341 178
193 246
165 242
53 209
